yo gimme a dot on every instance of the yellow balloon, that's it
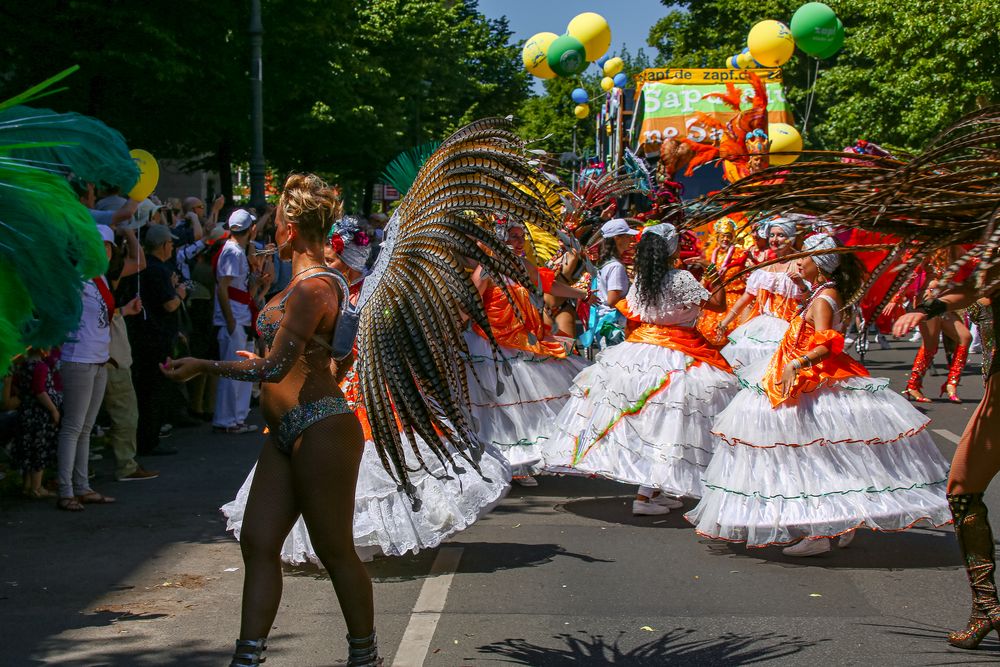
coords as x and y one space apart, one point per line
149 174
535 52
593 31
771 43
581 111
745 61
607 83
784 137
613 66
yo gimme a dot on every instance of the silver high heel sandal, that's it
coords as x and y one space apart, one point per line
249 652
363 652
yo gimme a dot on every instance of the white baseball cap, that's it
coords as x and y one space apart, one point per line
107 234
240 220
617 227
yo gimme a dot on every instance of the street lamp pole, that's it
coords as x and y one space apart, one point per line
257 107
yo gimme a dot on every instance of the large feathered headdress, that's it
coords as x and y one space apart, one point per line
49 244
946 195
419 294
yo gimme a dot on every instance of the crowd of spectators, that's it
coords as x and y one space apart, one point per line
183 279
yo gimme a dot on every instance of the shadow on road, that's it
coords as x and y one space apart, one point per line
930 643
477 558
618 510
914 549
679 646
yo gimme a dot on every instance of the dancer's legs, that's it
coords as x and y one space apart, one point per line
930 331
977 459
325 469
270 514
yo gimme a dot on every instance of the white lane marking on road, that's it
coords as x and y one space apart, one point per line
427 611
947 435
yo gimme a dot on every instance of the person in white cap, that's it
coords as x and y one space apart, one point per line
612 278
233 316
85 377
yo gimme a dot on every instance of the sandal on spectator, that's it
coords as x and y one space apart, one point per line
238 429
69 504
38 494
95 498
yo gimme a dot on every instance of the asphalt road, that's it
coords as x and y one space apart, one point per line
558 575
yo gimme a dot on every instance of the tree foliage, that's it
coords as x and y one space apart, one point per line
347 85
907 69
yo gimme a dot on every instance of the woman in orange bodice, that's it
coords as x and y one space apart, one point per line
722 263
815 448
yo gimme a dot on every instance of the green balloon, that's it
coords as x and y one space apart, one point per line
814 27
567 56
835 45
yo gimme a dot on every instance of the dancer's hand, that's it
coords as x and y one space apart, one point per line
181 370
787 379
907 323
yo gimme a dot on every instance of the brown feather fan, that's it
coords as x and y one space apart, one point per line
946 195
415 302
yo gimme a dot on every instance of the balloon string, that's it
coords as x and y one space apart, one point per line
809 100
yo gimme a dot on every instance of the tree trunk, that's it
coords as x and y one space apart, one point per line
366 204
225 167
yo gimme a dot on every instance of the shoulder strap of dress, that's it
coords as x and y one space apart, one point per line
830 300
332 273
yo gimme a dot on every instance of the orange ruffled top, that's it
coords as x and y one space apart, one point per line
513 332
687 340
800 338
710 319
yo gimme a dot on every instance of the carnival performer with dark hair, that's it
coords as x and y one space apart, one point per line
513 410
775 293
309 463
814 448
949 324
642 413
723 264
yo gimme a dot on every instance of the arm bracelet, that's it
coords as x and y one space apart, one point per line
932 308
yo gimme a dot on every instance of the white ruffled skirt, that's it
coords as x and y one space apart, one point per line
754 340
641 415
852 454
384 520
517 419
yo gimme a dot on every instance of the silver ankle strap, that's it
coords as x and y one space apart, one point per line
363 652
249 652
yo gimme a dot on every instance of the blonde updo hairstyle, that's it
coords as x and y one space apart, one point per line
311 205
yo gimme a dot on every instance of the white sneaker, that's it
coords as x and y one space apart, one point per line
808 547
527 480
916 337
845 540
643 508
667 501
849 340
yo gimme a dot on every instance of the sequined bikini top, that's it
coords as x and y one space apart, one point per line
267 328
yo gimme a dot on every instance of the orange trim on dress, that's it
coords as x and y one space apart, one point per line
687 340
800 338
512 330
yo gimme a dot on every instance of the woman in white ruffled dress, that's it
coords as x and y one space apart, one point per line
775 292
814 448
516 396
642 414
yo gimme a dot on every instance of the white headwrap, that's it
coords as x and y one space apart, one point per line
668 233
827 263
786 223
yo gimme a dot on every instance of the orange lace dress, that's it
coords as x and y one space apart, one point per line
841 451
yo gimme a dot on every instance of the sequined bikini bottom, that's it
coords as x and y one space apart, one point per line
301 417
